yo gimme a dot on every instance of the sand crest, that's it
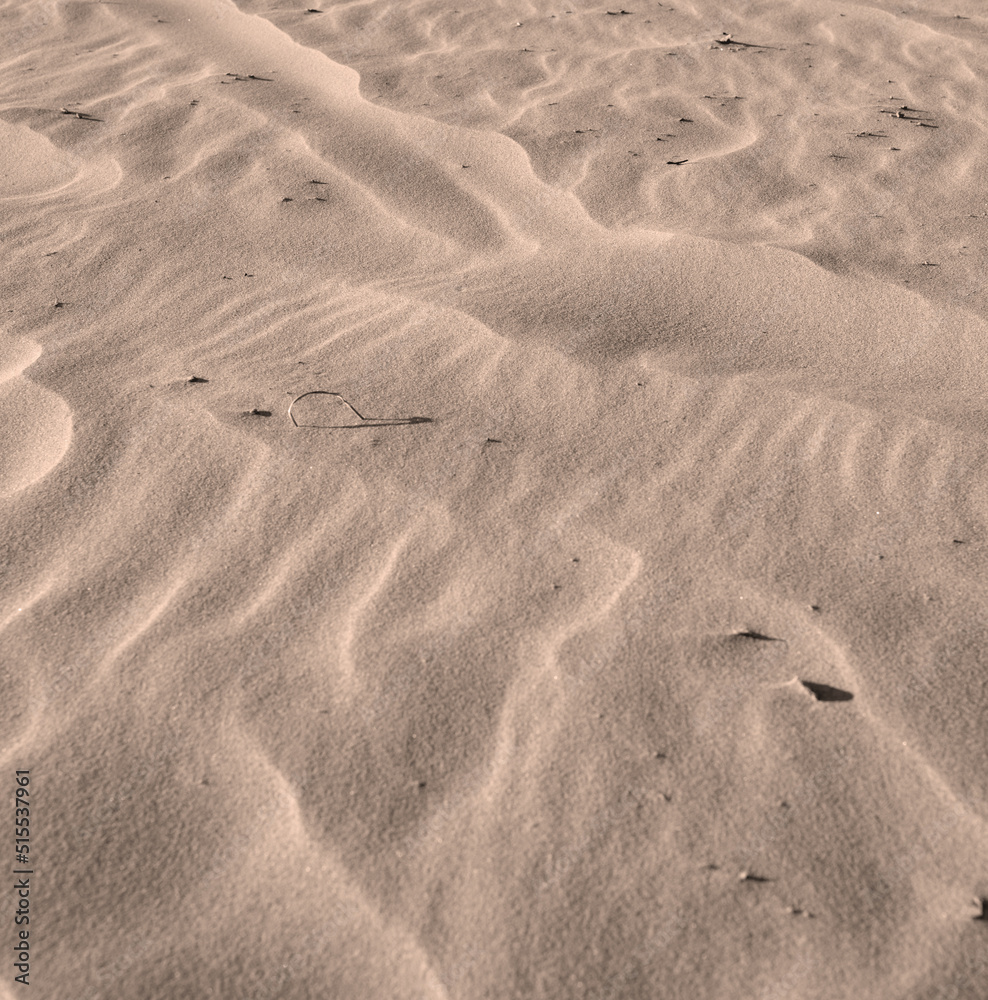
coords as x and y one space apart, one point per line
494 498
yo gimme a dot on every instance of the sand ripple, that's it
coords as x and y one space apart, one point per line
35 424
524 698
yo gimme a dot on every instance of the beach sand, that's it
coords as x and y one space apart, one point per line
494 498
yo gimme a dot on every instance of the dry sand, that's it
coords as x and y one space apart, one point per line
652 662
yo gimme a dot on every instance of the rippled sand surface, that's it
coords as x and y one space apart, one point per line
493 498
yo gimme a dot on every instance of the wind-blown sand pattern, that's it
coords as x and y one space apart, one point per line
494 497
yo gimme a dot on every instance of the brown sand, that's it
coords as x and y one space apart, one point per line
508 703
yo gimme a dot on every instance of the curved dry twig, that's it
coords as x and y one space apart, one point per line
364 421
320 392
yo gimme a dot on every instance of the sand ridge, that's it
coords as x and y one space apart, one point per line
37 424
634 647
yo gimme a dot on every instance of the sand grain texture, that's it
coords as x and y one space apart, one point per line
606 617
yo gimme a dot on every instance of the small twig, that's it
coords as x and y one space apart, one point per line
321 392
84 115
900 113
750 634
728 40
365 421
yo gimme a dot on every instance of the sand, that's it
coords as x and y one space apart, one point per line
494 498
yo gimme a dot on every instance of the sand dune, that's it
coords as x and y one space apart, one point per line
494 497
